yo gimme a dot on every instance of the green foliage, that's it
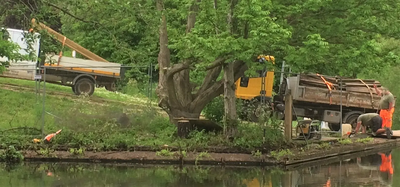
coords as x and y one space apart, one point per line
8 49
75 151
10 154
256 154
325 145
365 140
94 124
164 152
282 154
345 141
215 110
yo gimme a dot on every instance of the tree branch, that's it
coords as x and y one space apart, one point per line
217 88
70 14
176 68
216 63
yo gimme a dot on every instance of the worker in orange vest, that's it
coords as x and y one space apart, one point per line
386 106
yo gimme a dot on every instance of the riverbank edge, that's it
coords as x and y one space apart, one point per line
303 159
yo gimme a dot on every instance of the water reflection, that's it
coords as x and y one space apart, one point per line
373 171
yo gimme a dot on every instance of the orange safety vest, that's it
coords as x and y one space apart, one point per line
386 116
386 165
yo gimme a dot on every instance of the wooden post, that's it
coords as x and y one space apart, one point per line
288 116
287 179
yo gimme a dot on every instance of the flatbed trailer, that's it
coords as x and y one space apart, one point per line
320 98
82 75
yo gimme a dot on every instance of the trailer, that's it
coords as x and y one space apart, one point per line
321 98
82 75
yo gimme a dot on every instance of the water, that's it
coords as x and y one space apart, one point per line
365 171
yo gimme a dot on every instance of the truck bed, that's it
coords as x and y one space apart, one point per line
355 92
84 66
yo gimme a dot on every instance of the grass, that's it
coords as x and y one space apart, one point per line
90 125
135 94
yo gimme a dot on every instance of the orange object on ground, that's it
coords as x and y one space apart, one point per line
50 136
386 165
386 116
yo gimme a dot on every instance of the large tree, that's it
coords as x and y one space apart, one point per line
197 38
217 34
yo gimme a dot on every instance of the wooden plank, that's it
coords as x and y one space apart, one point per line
321 95
69 43
360 84
396 134
313 82
361 90
87 66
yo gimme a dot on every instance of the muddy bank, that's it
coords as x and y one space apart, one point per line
148 157
299 156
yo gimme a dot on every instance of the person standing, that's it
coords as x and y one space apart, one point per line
386 106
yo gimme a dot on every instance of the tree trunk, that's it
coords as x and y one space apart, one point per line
174 90
230 100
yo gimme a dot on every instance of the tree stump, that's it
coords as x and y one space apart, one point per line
184 128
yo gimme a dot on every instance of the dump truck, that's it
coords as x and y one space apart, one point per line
314 96
82 75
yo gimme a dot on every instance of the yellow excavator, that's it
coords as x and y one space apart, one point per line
253 90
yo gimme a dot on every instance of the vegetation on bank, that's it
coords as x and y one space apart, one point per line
100 125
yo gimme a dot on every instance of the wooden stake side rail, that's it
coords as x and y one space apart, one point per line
349 99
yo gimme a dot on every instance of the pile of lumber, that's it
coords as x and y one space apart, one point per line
350 85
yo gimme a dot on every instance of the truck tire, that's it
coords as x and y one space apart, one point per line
334 126
351 118
84 86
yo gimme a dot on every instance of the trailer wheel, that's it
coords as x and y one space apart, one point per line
351 118
84 86
334 126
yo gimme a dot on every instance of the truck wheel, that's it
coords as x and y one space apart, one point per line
334 126
111 87
84 86
351 118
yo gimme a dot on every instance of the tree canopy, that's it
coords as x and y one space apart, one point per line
192 39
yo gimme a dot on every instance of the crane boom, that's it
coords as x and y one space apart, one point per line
69 43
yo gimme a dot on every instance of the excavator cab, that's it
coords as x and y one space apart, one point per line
249 88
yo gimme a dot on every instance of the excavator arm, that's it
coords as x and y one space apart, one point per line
69 43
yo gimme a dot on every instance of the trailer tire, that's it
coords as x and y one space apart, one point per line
334 126
351 118
84 86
